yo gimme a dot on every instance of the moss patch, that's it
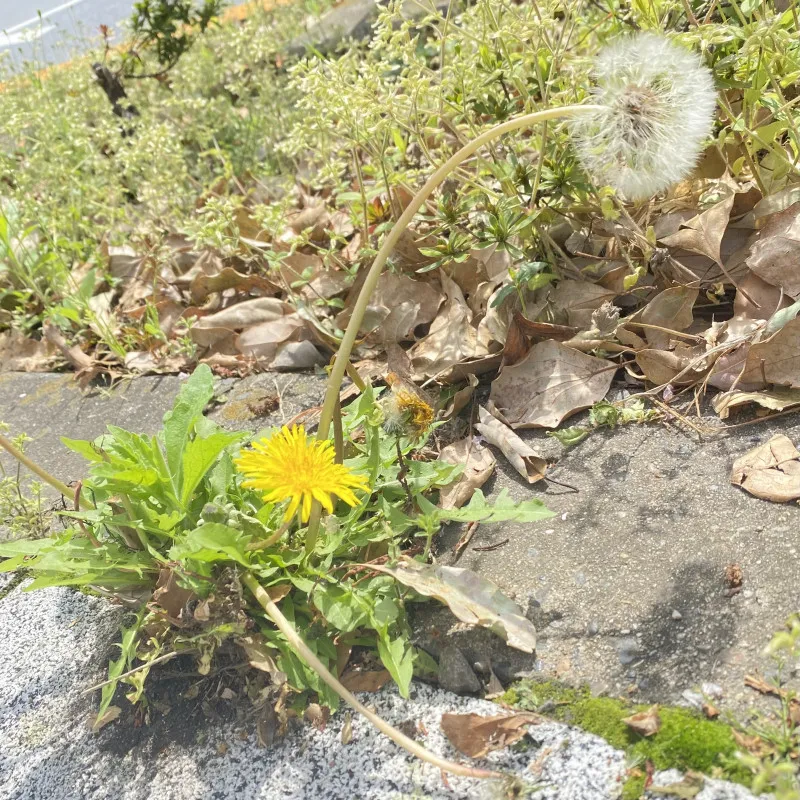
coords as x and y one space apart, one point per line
686 740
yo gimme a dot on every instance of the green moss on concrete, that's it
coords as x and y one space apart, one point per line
633 788
686 740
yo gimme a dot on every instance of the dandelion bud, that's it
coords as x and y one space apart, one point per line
658 106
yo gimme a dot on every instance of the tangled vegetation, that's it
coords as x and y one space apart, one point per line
242 217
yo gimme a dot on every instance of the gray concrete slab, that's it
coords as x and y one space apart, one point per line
627 583
49 406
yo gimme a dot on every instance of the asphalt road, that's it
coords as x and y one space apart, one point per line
51 31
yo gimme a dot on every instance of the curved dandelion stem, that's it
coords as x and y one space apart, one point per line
36 469
297 643
351 333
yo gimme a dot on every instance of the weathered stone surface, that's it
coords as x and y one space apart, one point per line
47 406
456 674
651 529
350 20
268 399
354 20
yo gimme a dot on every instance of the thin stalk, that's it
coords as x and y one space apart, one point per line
36 469
301 648
263 544
338 433
357 316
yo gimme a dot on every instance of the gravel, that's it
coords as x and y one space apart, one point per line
53 644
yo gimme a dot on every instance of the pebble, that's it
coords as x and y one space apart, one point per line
694 699
628 650
455 673
593 628
676 614
712 690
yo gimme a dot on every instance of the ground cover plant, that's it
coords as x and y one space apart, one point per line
232 220
423 207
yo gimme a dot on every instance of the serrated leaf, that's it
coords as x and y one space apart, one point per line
178 422
82 447
199 456
213 542
117 667
503 509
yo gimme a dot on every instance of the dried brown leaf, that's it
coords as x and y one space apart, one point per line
479 464
169 595
777 359
109 715
122 262
574 302
314 219
317 715
664 366
670 309
753 744
524 458
260 655
770 471
365 680
18 353
470 597
246 314
460 399
262 341
645 723
703 233
452 337
772 399
475 736
204 284
551 383
757 300
392 291
775 257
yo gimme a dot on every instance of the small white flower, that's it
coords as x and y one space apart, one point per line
659 103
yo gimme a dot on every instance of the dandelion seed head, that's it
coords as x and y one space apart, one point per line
658 107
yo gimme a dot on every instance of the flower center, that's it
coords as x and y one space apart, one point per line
638 104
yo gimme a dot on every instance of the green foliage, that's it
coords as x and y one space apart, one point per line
166 29
169 512
775 767
606 415
228 128
21 512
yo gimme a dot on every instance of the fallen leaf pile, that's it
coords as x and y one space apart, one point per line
696 293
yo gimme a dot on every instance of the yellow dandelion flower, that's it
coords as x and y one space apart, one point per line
417 411
290 466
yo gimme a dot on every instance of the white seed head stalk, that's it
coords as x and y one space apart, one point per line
658 107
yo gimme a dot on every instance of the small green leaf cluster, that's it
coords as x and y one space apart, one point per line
607 415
